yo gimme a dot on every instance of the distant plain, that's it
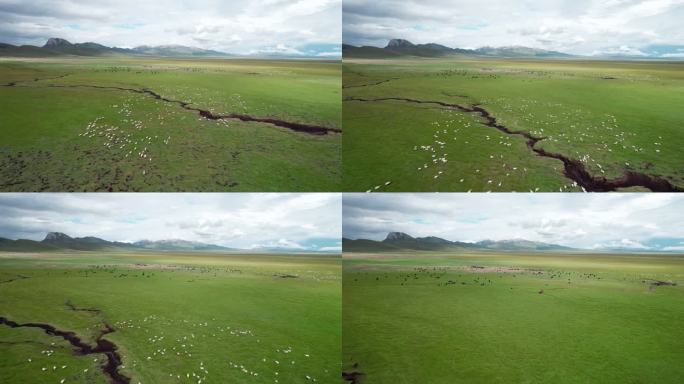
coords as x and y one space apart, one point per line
512 317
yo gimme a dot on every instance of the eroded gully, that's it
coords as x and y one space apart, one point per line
102 346
298 127
369 84
573 169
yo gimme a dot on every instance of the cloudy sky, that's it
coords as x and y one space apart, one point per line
307 221
236 26
639 221
574 26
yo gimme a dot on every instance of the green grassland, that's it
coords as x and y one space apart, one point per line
177 318
513 318
61 134
613 117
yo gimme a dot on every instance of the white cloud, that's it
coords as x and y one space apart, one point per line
577 220
231 219
337 54
573 26
622 243
622 50
237 26
279 48
339 249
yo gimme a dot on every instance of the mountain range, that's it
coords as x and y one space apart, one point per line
55 47
398 241
57 241
401 47
60 47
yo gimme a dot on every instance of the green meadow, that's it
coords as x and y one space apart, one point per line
513 318
175 317
618 120
84 124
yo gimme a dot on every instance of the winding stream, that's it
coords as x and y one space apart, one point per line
573 169
102 346
298 127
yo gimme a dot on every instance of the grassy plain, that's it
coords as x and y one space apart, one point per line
177 318
513 318
58 133
613 117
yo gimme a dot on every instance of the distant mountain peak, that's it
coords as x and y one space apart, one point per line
402 47
55 42
396 241
176 50
436 240
57 46
58 241
396 236
399 43
56 236
518 51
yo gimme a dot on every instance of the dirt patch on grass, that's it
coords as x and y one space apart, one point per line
285 276
74 308
487 269
151 266
370 84
19 277
659 283
353 377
